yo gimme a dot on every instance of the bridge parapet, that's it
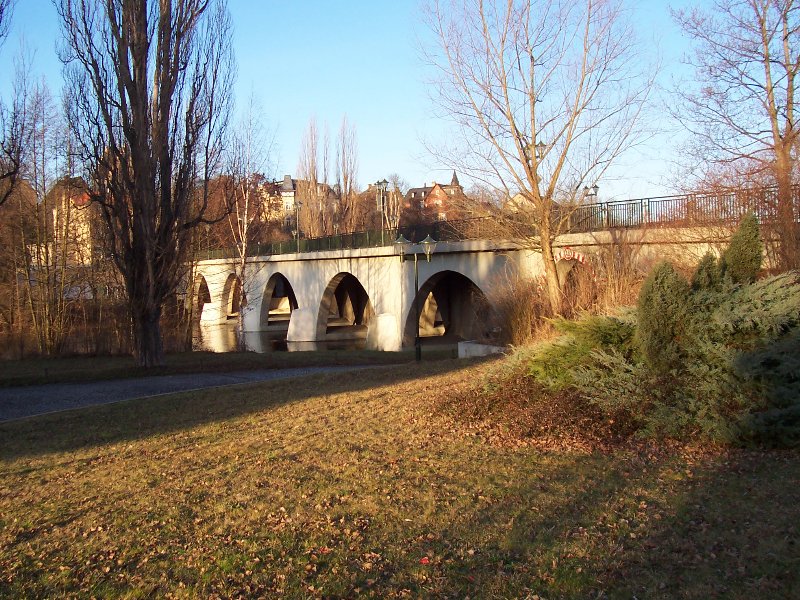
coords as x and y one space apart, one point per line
687 210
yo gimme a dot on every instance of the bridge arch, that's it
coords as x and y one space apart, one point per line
578 279
345 309
277 303
200 296
232 296
451 305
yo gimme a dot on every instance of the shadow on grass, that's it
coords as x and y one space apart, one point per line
592 526
145 417
734 532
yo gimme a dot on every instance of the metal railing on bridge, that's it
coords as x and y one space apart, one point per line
444 231
680 210
661 211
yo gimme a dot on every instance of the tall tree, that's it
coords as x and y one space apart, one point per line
741 110
546 95
312 192
346 176
6 8
150 84
251 155
324 208
12 118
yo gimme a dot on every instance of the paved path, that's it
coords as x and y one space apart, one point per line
29 401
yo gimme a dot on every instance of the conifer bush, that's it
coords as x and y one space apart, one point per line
718 359
739 378
706 276
741 261
660 314
554 363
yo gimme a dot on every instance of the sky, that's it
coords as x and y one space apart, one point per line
303 59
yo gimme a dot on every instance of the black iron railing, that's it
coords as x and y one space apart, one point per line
664 211
684 210
444 231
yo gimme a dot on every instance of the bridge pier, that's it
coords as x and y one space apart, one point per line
211 292
384 333
302 326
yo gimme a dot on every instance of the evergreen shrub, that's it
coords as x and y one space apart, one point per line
660 314
739 379
741 260
706 276
553 363
718 359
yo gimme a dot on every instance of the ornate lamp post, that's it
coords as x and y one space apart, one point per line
428 248
380 202
296 230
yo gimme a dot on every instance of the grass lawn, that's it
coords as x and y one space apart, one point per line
355 486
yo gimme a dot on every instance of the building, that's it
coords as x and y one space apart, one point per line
436 201
294 191
74 222
309 208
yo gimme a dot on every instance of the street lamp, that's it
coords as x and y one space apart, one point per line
380 201
380 188
297 205
428 248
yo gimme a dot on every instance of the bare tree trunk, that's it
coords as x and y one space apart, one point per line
550 269
787 219
147 334
150 84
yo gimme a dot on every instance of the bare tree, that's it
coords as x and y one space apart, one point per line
546 95
309 204
50 239
741 110
6 8
13 118
397 187
318 202
149 85
346 176
252 151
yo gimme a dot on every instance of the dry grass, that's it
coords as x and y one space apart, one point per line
342 486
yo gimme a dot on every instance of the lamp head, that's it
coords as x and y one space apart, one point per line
401 243
428 246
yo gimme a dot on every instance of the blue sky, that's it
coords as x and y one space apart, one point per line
324 59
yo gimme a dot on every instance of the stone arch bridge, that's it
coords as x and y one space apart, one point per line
368 293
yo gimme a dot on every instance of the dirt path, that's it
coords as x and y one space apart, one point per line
29 401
